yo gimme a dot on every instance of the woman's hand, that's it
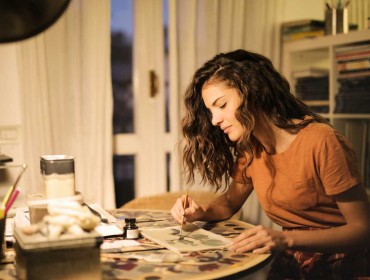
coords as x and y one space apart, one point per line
261 240
192 211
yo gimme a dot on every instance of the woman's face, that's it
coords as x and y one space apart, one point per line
222 101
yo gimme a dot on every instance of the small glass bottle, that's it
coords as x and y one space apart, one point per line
130 230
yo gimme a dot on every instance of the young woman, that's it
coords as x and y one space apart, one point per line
242 122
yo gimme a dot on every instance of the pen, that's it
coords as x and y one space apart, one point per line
182 221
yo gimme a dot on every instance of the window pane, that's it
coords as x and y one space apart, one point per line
166 66
121 61
168 171
124 180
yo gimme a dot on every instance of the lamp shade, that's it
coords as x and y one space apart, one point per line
21 19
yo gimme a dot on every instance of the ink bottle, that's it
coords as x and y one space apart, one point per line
130 230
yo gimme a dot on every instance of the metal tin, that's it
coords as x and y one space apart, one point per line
59 164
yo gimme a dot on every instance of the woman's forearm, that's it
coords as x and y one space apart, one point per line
345 238
217 210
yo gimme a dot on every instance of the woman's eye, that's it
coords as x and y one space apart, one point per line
223 106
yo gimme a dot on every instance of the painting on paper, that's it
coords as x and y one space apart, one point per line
193 238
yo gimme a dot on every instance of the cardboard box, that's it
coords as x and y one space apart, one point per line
66 258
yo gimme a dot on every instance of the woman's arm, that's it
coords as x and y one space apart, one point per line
223 207
227 204
352 236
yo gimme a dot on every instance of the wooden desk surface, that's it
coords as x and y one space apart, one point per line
211 264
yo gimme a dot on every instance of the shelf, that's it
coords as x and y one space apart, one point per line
352 116
317 102
320 52
327 41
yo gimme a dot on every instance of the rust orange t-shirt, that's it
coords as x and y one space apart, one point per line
296 187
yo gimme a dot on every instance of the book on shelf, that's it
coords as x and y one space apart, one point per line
354 83
303 35
354 64
300 29
352 103
350 71
351 75
353 56
324 109
352 51
310 72
302 24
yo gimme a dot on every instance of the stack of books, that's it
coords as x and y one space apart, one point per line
312 84
300 29
353 69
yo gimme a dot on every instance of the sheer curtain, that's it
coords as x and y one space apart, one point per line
358 12
66 98
207 27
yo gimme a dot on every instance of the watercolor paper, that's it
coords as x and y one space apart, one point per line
194 238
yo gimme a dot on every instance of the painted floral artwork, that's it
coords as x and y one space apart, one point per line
192 238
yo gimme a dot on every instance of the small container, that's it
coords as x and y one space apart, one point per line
38 205
130 230
58 175
67 257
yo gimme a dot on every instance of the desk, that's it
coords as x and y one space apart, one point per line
212 264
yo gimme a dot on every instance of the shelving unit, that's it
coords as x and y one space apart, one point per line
320 52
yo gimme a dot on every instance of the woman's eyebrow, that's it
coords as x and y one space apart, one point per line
215 101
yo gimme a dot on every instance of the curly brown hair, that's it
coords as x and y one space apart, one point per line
262 89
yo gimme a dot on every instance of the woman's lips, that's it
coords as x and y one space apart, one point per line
227 129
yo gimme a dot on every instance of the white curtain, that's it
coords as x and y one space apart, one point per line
358 13
207 27
66 97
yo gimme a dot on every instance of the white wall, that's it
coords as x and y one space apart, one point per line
303 9
10 117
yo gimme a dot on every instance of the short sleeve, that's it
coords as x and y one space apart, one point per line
338 164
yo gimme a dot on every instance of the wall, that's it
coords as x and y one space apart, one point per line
10 119
303 9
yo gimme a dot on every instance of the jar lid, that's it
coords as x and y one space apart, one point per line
59 164
130 220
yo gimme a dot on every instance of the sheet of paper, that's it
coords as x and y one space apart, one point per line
194 238
108 230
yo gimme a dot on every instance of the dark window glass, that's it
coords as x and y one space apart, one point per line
121 61
124 179
166 66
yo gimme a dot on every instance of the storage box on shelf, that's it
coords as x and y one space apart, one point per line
345 60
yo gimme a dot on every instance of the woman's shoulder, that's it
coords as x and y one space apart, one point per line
319 133
317 130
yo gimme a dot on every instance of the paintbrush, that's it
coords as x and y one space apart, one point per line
182 221
12 188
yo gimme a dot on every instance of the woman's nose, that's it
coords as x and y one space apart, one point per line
216 119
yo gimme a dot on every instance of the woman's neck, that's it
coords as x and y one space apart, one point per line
275 140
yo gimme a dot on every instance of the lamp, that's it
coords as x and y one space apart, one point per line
21 19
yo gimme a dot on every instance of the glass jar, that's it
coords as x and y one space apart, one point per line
130 230
58 176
